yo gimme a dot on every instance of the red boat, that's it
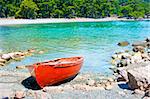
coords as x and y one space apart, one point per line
55 71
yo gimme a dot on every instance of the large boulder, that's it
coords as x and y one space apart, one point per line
140 43
139 78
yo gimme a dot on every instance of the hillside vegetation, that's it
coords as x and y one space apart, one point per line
31 9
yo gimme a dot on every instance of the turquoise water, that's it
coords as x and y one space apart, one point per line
95 41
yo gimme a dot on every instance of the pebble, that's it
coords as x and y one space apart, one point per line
2 64
101 86
6 57
41 52
121 93
31 50
20 67
90 82
19 95
110 79
147 93
108 85
2 60
137 91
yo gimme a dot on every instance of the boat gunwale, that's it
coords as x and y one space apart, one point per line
79 59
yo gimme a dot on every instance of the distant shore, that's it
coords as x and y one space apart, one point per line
10 21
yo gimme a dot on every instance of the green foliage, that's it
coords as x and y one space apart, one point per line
74 8
28 9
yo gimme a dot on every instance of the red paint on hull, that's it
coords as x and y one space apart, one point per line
55 71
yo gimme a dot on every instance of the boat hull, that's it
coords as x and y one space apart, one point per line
53 72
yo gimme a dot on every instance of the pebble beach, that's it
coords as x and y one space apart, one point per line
18 83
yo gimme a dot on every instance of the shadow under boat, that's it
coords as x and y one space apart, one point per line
31 82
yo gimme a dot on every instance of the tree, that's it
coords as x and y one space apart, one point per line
74 8
28 9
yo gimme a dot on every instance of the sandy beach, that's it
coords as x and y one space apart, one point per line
56 20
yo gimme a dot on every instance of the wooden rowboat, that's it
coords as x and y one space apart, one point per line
55 71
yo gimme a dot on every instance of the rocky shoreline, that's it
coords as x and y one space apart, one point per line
133 67
131 78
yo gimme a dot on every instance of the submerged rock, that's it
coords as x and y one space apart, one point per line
124 43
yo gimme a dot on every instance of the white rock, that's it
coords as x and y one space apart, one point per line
19 94
6 56
137 75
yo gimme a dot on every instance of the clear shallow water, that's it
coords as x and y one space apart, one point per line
95 41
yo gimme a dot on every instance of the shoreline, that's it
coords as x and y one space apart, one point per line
9 21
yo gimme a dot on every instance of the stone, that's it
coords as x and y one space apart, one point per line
147 39
145 56
139 43
137 91
2 64
147 93
139 49
17 55
108 87
6 57
90 82
20 67
136 58
2 60
122 93
123 73
139 77
111 79
124 43
148 45
41 52
19 95
31 50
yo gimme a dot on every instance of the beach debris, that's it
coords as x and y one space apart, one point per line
123 43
